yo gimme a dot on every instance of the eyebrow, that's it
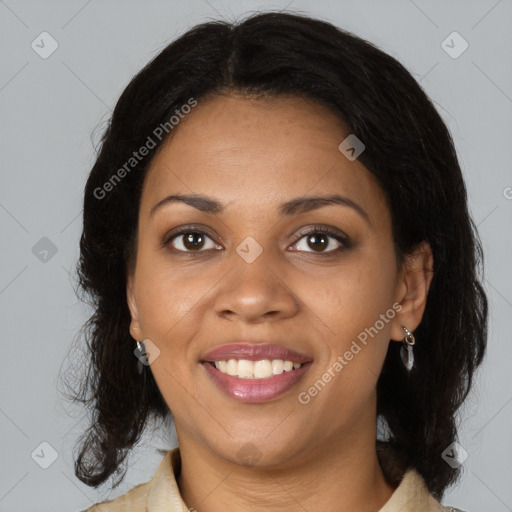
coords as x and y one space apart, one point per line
295 206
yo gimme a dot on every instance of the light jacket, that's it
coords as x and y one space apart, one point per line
161 493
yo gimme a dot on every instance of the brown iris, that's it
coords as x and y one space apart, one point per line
318 241
193 240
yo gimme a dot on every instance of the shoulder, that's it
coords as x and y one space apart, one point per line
411 492
134 499
159 493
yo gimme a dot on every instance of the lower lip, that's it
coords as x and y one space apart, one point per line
256 390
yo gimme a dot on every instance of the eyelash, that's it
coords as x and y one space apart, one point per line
339 237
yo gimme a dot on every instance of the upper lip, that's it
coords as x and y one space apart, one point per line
255 352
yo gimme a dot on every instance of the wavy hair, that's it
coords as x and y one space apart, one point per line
409 151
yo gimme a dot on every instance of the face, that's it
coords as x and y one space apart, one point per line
246 269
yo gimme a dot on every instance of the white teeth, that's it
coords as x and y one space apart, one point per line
277 366
262 369
231 367
245 369
288 366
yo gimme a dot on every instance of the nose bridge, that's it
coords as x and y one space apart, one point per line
254 288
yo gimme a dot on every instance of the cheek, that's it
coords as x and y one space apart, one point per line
355 336
165 295
351 298
172 302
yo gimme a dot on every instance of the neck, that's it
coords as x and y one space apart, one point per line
332 476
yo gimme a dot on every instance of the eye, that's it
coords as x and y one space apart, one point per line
322 240
191 240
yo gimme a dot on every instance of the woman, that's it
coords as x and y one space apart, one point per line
279 252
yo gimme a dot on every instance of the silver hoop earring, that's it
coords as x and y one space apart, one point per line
406 352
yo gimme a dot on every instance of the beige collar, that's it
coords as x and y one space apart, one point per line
164 494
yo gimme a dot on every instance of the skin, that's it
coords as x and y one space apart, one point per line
251 156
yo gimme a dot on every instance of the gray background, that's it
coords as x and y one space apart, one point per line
49 109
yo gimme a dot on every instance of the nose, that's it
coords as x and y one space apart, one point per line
255 293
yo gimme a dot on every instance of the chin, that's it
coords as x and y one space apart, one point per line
258 452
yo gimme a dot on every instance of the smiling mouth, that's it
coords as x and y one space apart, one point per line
255 381
262 369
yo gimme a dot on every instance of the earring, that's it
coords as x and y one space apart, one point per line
140 352
406 350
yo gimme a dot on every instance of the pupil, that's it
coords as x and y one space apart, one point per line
321 242
193 240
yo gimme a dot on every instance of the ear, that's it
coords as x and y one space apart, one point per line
135 327
412 290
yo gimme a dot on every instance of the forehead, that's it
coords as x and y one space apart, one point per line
256 153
